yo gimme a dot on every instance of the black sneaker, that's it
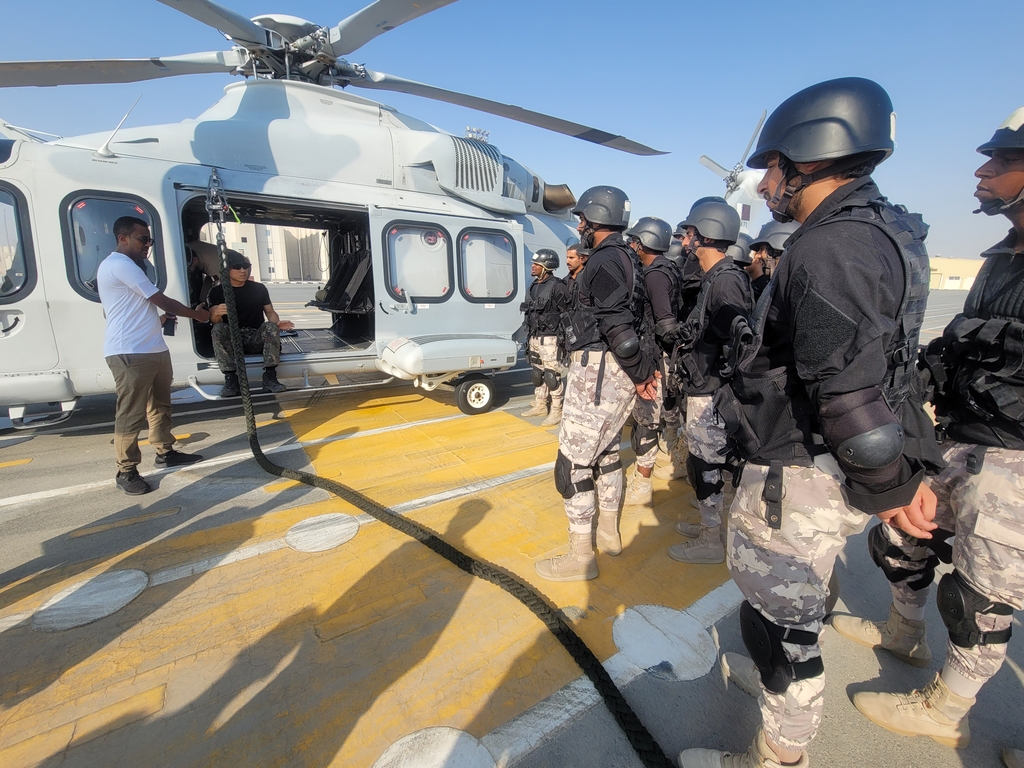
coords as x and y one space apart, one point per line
131 482
231 387
270 382
175 458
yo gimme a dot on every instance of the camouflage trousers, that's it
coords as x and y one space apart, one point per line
706 438
784 574
986 512
265 340
546 348
648 413
590 431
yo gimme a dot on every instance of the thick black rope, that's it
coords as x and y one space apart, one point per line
648 750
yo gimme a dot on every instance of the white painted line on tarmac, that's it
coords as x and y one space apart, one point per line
208 564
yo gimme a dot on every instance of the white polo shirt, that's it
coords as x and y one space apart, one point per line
133 322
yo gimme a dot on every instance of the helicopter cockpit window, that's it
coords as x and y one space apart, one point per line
487 271
419 262
89 238
16 273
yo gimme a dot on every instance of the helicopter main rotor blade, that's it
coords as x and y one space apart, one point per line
95 71
753 137
385 82
224 20
376 19
714 167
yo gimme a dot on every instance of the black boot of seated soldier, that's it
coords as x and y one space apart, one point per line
270 382
230 388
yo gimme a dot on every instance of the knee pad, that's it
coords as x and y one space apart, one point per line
763 640
552 378
536 376
643 438
695 469
959 605
563 478
915 578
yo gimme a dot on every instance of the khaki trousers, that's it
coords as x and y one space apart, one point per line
143 385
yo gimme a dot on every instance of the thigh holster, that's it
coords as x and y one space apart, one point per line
763 640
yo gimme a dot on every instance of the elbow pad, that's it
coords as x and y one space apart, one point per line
862 429
623 342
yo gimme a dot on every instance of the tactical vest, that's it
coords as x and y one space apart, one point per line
541 309
697 363
763 409
671 271
578 324
978 364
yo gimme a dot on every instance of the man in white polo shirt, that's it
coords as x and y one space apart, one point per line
137 354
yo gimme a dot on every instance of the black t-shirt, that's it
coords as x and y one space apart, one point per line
249 299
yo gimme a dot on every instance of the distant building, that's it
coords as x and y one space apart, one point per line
277 253
954 274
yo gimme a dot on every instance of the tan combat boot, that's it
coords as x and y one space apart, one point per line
608 540
740 670
706 549
758 756
672 466
689 530
539 408
555 415
934 711
578 564
1013 758
639 490
902 637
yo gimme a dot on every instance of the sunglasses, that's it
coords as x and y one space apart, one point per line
244 266
145 239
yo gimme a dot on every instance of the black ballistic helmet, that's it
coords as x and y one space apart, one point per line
714 220
837 118
680 229
653 233
740 250
1009 135
546 258
775 234
604 206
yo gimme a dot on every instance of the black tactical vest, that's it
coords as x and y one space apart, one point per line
541 308
760 407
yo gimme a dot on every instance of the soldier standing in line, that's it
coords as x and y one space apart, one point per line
768 247
711 229
574 261
544 299
976 368
823 405
610 365
650 238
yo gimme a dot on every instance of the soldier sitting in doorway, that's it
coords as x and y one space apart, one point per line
253 303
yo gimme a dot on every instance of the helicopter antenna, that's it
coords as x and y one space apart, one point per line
478 134
104 151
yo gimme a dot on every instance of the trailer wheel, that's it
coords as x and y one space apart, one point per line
475 395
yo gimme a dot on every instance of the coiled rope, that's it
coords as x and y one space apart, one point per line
647 749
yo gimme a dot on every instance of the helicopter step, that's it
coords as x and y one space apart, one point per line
20 421
193 382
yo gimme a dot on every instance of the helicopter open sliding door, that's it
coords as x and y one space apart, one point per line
27 344
448 293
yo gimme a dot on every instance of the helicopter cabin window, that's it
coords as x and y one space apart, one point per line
89 238
17 268
419 262
314 260
487 271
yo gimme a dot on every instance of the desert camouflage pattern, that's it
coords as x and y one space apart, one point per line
547 348
785 575
589 433
648 413
987 513
706 438
265 340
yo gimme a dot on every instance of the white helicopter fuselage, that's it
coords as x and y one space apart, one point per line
446 226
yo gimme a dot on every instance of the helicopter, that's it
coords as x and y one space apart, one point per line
422 239
741 182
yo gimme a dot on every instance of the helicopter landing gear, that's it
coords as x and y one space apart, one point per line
475 394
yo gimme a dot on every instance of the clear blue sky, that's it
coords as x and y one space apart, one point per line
687 77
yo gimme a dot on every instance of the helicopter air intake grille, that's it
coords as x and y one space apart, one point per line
477 164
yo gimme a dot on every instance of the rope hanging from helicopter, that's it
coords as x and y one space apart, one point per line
647 749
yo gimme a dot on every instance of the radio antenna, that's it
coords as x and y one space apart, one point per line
104 151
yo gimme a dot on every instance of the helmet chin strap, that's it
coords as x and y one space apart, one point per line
587 235
997 206
779 203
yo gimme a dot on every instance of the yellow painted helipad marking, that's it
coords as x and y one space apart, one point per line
14 463
89 530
